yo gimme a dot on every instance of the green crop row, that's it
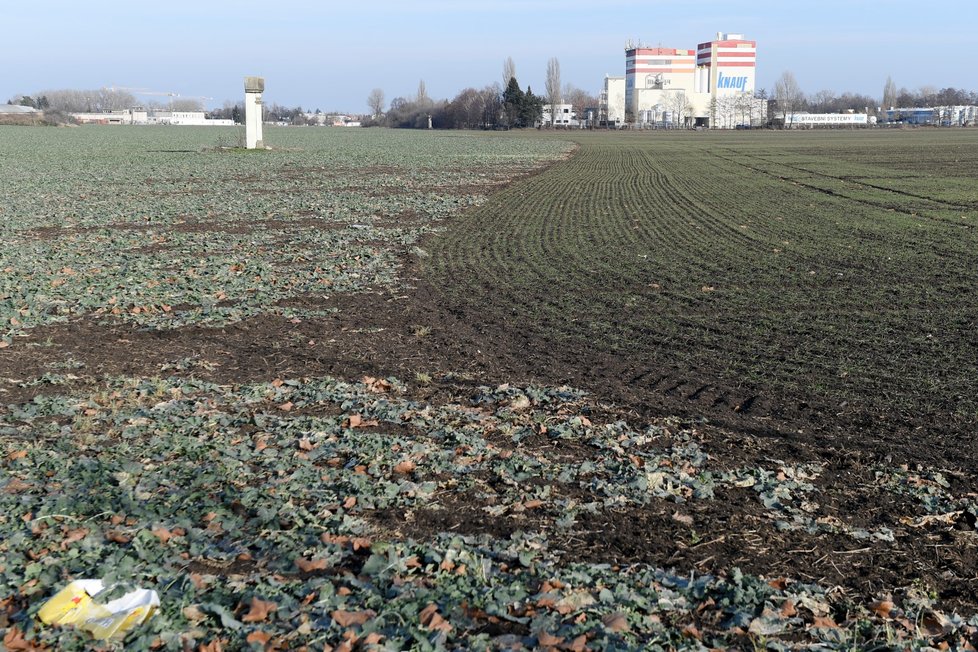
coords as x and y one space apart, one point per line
805 268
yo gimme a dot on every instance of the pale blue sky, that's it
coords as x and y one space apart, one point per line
329 55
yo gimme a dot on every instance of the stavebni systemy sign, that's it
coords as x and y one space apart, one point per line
736 83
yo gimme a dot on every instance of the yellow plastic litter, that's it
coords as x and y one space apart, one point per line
75 605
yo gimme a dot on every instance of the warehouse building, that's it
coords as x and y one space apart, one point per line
711 85
945 116
17 114
812 120
140 116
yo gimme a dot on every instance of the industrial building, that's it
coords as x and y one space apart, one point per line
709 86
810 120
18 109
611 104
946 116
140 116
17 114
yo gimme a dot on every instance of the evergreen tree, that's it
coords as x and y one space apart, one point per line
513 100
532 110
521 110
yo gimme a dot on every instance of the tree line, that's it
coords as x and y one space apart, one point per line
271 112
495 106
791 99
926 96
102 100
485 108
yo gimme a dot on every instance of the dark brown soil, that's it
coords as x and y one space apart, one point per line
410 334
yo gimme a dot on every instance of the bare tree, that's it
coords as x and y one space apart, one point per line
726 109
83 101
580 101
473 109
889 94
744 106
376 102
788 95
509 71
714 109
492 106
680 106
554 96
187 104
422 97
822 101
110 99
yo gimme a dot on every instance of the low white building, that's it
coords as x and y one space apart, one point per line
316 118
564 116
105 118
17 108
346 121
17 114
187 119
958 116
140 116
809 120
944 116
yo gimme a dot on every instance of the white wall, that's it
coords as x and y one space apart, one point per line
826 119
565 115
613 99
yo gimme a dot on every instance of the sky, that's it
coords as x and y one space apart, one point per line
328 55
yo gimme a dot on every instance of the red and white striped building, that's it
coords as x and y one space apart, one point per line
726 65
679 87
662 65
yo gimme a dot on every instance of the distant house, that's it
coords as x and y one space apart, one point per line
107 118
564 116
345 121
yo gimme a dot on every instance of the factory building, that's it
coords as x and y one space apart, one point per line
658 85
726 66
712 85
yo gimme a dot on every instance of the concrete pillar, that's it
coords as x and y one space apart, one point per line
254 87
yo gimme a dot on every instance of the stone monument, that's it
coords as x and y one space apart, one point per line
254 87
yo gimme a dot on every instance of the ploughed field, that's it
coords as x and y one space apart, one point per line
386 390
819 281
